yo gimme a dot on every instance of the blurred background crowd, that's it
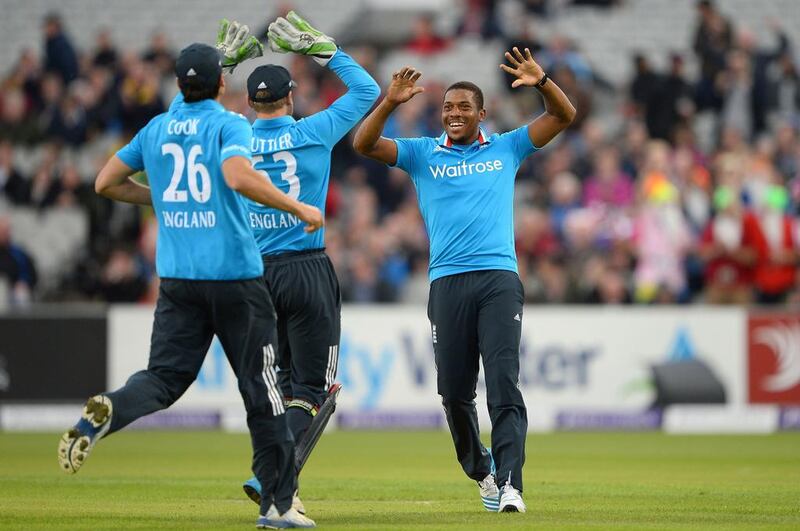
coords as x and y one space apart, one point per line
678 182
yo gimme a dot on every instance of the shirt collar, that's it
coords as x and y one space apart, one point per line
272 123
204 105
483 138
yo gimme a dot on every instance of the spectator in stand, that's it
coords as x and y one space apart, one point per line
787 151
160 54
15 125
67 121
610 287
100 100
643 86
361 280
44 188
561 53
52 90
124 277
565 198
539 8
14 186
424 39
550 283
736 86
694 182
480 18
16 266
535 244
60 56
105 53
671 103
729 247
634 145
570 250
662 240
72 191
763 91
776 274
787 90
26 76
609 186
579 94
139 94
713 40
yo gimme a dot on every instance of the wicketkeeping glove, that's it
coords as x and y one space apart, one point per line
236 44
294 34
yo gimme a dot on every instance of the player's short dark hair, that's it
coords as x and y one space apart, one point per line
193 92
267 107
472 87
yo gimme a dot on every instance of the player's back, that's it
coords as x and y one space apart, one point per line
297 161
295 155
202 225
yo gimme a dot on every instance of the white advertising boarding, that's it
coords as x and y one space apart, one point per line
572 359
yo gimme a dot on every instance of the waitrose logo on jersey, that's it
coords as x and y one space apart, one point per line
460 170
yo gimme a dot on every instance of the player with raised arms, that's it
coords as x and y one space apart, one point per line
465 188
296 156
198 161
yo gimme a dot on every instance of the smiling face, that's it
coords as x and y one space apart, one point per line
461 115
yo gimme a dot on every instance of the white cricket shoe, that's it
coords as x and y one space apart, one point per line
297 504
490 494
291 519
511 500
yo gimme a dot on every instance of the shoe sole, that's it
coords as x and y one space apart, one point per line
74 446
281 525
252 494
511 508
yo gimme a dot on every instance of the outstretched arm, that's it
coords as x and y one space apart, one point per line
368 140
334 122
558 111
114 182
293 34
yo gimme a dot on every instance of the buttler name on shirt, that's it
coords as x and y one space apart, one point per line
441 171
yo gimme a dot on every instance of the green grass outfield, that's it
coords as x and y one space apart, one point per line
408 480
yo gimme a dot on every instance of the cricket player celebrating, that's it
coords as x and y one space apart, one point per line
198 161
465 187
296 155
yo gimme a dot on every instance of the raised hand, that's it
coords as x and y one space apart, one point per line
236 44
528 72
403 86
294 34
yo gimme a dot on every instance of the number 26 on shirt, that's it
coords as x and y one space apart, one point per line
197 175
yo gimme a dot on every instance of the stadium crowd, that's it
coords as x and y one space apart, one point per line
646 211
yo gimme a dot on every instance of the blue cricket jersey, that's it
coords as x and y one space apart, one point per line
296 156
202 223
466 197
